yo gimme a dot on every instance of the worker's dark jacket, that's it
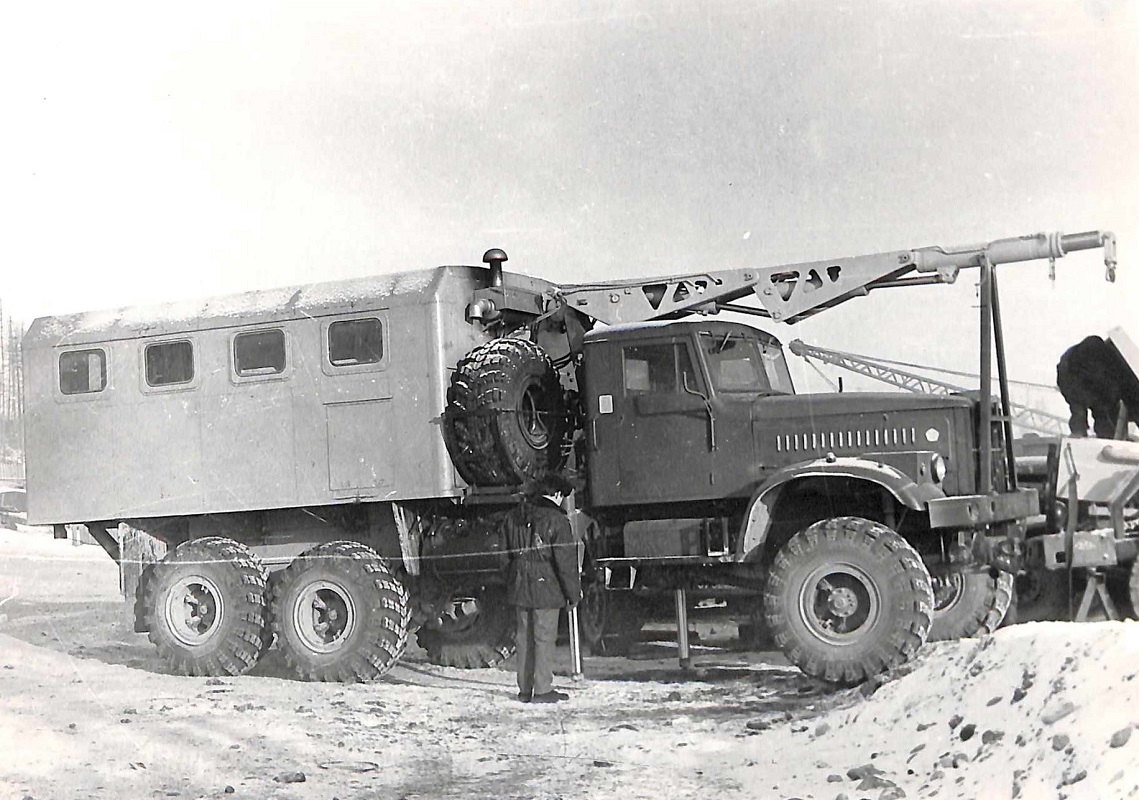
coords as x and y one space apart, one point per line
542 569
1093 368
1094 376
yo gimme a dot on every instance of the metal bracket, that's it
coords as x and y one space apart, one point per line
1096 587
408 539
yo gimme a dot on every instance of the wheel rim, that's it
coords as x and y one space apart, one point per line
533 421
839 602
460 614
194 609
947 590
324 616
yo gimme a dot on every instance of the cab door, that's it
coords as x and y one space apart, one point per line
650 431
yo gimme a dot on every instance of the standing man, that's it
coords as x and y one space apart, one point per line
542 578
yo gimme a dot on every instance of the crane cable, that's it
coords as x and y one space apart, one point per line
911 365
822 374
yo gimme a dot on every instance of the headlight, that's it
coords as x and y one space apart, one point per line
937 466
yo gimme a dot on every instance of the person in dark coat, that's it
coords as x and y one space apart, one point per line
543 577
1092 376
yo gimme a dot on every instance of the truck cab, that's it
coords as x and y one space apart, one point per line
705 414
668 409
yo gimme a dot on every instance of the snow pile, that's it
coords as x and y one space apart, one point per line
1040 710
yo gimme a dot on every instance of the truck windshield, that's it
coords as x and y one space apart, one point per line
739 363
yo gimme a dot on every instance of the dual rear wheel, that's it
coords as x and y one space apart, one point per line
337 612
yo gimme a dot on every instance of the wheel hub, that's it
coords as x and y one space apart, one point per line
194 608
838 603
324 616
843 602
533 420
459 614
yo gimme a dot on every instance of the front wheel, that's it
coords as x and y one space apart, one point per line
339 614
204 606
847 598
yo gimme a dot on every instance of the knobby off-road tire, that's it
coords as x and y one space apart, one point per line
339 614
205 605
506 414
609 620
848 598
1133 592
969 603
475 630
1042 595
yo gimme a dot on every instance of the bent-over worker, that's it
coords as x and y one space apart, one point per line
1093 377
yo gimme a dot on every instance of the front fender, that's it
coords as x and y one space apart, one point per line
757 521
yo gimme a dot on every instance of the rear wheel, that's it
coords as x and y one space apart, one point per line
969 602
205 608
848 598
475 629
339 614
506 415
610 620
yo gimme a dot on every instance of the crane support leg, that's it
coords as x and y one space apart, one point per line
682 628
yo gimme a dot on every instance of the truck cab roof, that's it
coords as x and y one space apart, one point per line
657 328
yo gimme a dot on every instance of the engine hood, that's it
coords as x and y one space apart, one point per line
846 403
790 429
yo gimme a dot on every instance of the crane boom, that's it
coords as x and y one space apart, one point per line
1022 415
790 293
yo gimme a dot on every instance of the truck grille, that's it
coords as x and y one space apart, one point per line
848 438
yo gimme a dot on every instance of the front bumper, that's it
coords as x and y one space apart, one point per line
976 511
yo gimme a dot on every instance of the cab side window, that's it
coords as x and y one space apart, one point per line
82 371
658 369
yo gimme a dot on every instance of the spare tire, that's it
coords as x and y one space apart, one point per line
506 414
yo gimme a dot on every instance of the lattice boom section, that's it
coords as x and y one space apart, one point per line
847 439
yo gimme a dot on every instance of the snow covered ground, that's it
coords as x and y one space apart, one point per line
1041 710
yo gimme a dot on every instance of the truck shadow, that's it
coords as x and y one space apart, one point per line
724 682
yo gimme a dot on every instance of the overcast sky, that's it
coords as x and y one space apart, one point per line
155 151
